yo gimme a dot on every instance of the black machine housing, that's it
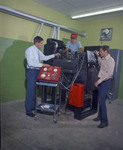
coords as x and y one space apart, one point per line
86 64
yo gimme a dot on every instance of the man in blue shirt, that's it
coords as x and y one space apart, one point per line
74 45
34 57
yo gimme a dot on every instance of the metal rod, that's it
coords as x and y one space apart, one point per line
40 29
24 15
58 33
54 32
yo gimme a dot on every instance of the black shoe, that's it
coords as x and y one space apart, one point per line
31 115
102 125
96 119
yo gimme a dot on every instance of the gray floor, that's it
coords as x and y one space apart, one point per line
20 132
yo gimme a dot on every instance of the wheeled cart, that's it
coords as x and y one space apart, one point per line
46 107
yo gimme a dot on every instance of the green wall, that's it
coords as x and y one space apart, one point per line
93 28
12 69
17 34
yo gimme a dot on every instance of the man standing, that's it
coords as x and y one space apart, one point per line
34 56
107 64
74 45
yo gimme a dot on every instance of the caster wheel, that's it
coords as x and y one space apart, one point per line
59 113
35 118
54 120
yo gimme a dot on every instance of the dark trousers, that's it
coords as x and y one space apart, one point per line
31 76
102 91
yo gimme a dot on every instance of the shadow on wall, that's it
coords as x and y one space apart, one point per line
25 64
13 68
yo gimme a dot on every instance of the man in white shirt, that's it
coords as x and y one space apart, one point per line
34 57
107 65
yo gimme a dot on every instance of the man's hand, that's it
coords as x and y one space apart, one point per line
57 54
45 65
96 84
81 50
96 52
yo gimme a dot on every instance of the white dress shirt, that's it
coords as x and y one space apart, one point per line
34 57
107 65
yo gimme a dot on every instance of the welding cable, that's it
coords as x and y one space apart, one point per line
77 72
76 75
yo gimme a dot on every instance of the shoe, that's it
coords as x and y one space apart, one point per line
102 125
31 115
96 119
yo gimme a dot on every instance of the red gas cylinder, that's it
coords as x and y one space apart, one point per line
76 95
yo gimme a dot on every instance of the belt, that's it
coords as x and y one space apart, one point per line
107 80
35 68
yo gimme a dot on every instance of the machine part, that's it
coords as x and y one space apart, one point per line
43 75
82 77
54 120
46 107
35 118
92 78
54 46
81 113
77 70
67 64
49 74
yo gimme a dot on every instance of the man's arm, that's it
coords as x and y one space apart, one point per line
80 47
99 58
45 58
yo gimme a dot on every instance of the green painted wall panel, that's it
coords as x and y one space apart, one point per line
12 69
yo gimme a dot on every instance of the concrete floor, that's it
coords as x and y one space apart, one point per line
20 132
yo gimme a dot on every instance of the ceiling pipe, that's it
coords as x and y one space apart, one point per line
36 19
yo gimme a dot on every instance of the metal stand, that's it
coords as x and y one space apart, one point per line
54 108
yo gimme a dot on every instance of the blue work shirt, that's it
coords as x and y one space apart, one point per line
74 47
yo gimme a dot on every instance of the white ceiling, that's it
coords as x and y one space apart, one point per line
76 7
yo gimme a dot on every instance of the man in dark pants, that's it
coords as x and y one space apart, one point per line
107 64
34 57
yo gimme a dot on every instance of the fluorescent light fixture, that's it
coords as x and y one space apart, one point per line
98 12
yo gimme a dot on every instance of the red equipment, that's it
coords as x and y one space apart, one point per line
76 95
49 74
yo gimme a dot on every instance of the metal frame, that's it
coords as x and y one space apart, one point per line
56 107
40 29
24 15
